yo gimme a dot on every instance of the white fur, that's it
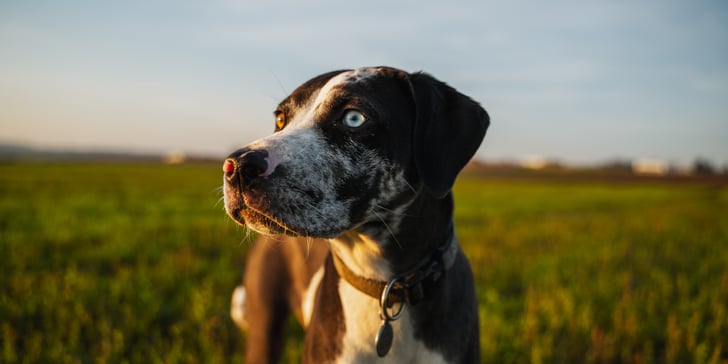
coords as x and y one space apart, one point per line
309 296
361 255
361 317
237 307
307 117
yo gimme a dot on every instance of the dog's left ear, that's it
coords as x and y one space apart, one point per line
448 130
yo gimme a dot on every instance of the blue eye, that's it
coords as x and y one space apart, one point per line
354 119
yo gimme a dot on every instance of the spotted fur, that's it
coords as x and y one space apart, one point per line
322 179
379 193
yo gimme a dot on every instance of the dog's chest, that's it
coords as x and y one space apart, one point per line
362 321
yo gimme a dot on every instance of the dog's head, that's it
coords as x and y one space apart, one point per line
349 145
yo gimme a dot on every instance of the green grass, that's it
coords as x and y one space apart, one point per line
136 263
116 263
593 273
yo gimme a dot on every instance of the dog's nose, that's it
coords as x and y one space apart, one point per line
249 164
228 167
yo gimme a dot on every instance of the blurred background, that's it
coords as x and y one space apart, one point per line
595 214
571 81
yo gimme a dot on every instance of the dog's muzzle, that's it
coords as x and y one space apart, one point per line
245 174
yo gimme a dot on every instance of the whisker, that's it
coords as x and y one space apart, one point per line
280 84
388 229
383 208
219 192
247 237
219 200
410 186
309 242
393 211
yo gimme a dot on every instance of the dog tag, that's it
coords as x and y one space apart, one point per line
384 338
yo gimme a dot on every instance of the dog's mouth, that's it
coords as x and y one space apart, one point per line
264 222
261 222
257 220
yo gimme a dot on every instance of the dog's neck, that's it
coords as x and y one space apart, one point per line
402 267
408 241
405 287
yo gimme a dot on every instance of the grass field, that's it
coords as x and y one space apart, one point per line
136 262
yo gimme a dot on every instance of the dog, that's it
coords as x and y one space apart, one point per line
352 197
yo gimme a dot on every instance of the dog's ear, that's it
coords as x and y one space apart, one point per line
448 130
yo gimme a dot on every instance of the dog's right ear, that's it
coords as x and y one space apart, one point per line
448 130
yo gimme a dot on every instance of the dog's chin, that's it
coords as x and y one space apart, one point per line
266 225
260 223
267 222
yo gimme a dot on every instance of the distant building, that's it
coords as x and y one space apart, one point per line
175 157
534 162
648 166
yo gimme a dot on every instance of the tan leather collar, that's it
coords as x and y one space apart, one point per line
407 287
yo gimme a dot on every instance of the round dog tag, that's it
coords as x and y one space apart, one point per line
384 339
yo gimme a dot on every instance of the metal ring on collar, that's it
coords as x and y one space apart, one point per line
385 299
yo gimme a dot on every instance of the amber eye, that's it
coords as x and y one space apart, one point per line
280 120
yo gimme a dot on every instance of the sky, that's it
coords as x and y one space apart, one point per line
576 81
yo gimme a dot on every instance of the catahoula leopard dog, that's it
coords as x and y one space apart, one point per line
352 196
